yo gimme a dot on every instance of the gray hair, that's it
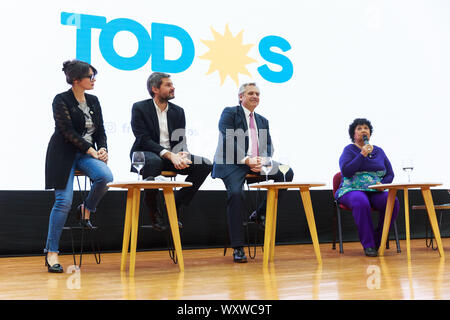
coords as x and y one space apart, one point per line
244 86
155 80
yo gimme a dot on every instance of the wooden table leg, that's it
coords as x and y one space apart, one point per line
173 220
426 193
134 228
274 227
127 229
269 225
387 219
307 205
408 236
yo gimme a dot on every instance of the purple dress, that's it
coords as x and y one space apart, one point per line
358 172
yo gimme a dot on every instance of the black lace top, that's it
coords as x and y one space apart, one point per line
70 126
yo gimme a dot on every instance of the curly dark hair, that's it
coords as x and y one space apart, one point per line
357 122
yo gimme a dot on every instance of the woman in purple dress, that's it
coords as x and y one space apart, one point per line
362 165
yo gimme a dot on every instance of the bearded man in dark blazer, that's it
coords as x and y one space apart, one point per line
159 128
244 144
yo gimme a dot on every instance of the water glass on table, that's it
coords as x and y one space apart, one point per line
138 162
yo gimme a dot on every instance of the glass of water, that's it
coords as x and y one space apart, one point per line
408 166
267 164
138 161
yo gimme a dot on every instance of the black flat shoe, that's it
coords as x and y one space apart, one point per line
86 224
371 252
56 268
239 255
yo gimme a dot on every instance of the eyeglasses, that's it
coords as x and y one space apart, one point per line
91 77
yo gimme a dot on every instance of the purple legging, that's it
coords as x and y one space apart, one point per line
361 204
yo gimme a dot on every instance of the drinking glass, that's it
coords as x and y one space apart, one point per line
408 166
138 162
267 164
284 166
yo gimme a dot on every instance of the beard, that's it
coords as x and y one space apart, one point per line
167 97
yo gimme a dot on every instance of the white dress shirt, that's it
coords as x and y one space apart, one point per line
164 139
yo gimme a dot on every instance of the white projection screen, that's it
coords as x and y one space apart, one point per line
319 65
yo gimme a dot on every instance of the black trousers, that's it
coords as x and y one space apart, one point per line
196 173
235 201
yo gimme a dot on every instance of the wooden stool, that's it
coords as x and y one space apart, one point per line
172 253
169 174
438 208
246 223
95 246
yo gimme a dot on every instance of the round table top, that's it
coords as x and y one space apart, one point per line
405 185
285 185
149 184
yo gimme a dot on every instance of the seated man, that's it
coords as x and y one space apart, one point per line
244 145
159 128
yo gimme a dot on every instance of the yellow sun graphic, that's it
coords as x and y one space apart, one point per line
228 55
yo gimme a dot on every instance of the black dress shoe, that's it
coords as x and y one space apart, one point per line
239 255
259 219
157 220
56 268
371 252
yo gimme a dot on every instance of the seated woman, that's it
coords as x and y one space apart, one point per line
78 143
363 165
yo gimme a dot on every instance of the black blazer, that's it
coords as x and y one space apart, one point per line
67 139
145 126
233 132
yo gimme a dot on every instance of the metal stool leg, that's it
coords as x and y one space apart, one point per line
396 237
334 227
431 242
73 247
339 220
95 250
83 236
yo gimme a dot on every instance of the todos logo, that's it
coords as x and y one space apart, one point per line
227 53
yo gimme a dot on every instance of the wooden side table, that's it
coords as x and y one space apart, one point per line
132 217
426 193
271 214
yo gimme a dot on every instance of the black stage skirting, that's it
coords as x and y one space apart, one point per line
24 221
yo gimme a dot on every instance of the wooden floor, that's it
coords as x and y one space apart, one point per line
209 275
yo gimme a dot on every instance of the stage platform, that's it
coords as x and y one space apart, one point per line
294 275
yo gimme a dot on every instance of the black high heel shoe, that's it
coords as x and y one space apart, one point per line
56 268
85 223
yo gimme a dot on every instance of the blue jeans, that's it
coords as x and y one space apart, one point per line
100 175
